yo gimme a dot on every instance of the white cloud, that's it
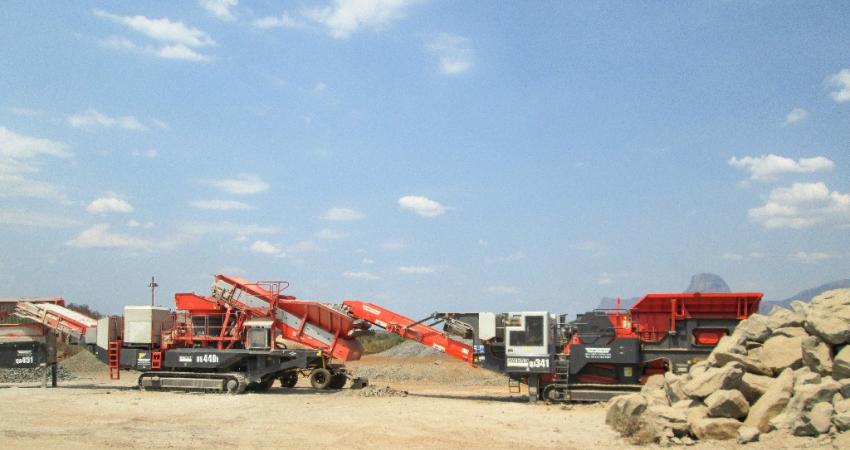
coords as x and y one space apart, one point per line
841 80
345 17
368 261
796 115
732 257
91 118
513 257
809 257
133 223
595 248
502 289
242 184
24 112
422 206
267 248
35 219
150 153
802 205
201 228
483 243
360 276
393 244
180 51
99 236
109 204
177 40
769 167
343 215
453 53
307 246
163 30
329 234
220 9
220 205
604 279
20 186
19 146
417 270
282 21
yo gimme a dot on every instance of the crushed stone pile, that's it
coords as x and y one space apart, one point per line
376 391
35 375
410 349
84 363
785 372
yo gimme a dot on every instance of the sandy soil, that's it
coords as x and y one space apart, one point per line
93 411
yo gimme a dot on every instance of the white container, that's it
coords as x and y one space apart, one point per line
143 324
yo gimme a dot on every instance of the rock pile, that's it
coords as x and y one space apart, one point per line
788 370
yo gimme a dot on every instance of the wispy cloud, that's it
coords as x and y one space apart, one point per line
841 81
35 219
282 21
176 40
810 257
393 244
513 257
220 205
729 256
100 236
366 276
331 234
19 146
149 153
417 270
267 248
220 9
244 183
202 228
109 204
604 279
802 205
796 115
343 215
19 159
91 119
345 17
453 53
422 206
770 167
502 289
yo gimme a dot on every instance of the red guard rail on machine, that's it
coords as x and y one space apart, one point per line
409 329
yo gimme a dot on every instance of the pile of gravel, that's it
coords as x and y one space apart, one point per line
788 372
375 391
84 363
35 375
409 349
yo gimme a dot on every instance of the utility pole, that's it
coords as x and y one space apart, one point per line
153 287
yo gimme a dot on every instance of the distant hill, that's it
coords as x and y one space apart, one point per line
701 282
707 282
806 295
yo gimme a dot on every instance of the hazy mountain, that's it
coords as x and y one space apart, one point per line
707 282
806 295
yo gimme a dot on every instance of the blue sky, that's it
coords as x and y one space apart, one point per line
425 155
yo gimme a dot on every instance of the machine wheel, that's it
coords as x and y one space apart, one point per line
320 378
338 381
232 386
289 379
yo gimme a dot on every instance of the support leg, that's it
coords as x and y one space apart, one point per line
533 388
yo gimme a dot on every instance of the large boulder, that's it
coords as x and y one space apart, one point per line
841 416
841 364
780 352
715 428
780 317
790 332
829 316
654 391
673 387
750 365
804 375
817 355
714 379
772 402
624 411
800 307
754 328
727 403
753 386
663 421
806 396
813 422
747 435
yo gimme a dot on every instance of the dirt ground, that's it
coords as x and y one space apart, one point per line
93 412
